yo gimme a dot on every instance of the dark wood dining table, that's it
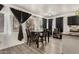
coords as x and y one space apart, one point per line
38 33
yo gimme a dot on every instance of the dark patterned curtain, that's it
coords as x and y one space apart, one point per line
25 16
17 14
44 23
50 25
59 24
21 17
1 6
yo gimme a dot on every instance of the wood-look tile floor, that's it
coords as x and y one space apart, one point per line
70 44
53 47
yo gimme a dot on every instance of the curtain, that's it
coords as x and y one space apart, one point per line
17 14
25 16
59 24
50 25
21 17
1 6
44 23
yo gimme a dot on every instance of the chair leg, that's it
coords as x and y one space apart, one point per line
42 41
48 37
27 41
45 38
37 42
30 42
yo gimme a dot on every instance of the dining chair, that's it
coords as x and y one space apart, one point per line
48 34
37 39
32 37
43 36
28 35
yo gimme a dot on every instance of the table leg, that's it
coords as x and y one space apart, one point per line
48 37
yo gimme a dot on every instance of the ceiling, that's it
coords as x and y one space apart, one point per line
48 9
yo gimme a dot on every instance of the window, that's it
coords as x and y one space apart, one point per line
1 22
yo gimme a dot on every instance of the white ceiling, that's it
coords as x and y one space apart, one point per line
48 9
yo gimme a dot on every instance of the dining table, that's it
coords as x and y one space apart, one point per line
40 34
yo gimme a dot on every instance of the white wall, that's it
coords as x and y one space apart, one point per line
38 24
9 38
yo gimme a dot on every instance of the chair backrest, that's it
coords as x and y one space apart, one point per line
37 36
44 32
